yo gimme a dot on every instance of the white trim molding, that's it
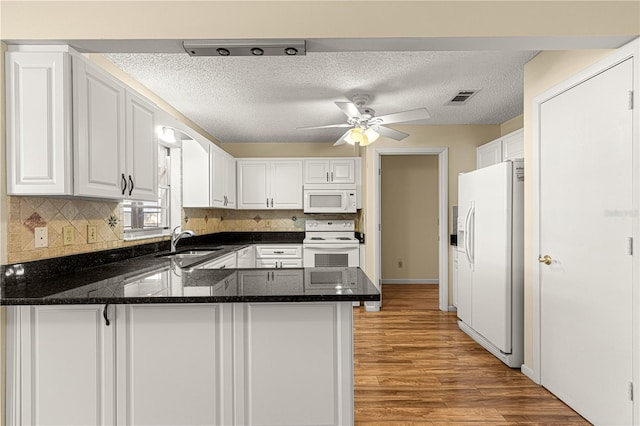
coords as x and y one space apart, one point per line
411 281
443 212
630 50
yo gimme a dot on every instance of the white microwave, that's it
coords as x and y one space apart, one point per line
332 198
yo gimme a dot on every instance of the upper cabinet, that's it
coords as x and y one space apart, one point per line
208 175
325 170
110 150
269 184
508 147
38 102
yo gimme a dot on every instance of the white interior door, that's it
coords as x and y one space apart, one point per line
585 223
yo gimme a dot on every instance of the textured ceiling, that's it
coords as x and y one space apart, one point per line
264 99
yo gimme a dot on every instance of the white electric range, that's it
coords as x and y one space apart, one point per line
330 243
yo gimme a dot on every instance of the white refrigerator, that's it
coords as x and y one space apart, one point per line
491 259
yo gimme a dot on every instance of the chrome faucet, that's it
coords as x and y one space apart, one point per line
177 236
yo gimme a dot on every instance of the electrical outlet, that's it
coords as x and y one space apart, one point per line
68 235
42 237
92 234
267 223
399 263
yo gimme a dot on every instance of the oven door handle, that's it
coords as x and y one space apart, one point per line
332 247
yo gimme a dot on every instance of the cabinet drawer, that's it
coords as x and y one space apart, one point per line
278 251
279 263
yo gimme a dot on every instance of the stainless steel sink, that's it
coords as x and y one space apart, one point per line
187 254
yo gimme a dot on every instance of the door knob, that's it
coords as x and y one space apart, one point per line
546 259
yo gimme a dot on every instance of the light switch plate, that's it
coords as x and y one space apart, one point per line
92 234
68 235
42 237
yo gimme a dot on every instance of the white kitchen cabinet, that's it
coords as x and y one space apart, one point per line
195 174
269 184
297 367
99 132
74 129
226 262
337 170
246 257
278 256
508 147
223 179
141 148
39 136
208 175
168 364
61 366
173 364
513 145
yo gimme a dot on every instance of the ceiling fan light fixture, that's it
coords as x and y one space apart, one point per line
371 135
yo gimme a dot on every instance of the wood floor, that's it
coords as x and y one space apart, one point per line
413 366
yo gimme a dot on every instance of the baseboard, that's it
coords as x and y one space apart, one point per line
452 308
529 373
411 281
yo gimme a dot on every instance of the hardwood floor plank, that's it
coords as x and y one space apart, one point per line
413 366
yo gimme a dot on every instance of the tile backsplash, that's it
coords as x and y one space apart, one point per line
28 213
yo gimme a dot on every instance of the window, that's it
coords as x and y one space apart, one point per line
147 219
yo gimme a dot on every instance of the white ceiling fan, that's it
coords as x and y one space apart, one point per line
365 127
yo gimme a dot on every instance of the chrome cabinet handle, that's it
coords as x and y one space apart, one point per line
327 176
124 184
267 202
278 252
131 182
272 202
331 176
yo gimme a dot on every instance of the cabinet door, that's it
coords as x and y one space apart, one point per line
195 174
226 262
489 154
286 184
343 171
231 182
253 185
290 263
513 146
246 258
171 361
266 263
141 148
39 123
218 177
66 362
99 132
254 283
316 171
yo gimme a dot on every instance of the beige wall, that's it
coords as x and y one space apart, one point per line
516 123
541 74
461 140
409 188
305 149
282 19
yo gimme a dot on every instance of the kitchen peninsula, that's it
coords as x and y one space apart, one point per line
155 339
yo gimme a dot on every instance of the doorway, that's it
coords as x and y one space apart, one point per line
585 303
442 220
409 191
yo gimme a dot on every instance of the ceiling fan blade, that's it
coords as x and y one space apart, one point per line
343 139
349 108
391 133
397 117
328 126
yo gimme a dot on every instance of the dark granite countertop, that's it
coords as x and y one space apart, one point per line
155 278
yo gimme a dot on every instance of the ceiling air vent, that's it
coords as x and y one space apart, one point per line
462 97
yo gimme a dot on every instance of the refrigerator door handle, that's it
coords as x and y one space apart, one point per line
466 235
471 230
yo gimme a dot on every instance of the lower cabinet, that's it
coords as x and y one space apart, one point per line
187 364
